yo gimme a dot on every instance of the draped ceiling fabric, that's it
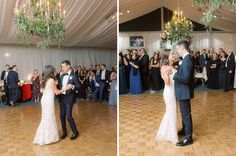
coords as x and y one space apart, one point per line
91 37
86 23
141 7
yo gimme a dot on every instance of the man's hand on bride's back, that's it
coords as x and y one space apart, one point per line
70 86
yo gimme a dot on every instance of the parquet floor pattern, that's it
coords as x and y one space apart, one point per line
97 124
214 125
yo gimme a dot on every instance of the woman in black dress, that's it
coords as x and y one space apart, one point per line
156 74
222 71
82 81
122 76
127 58
36 94
213 79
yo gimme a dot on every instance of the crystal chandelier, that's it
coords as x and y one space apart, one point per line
40 22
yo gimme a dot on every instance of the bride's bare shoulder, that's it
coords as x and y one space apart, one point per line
51 81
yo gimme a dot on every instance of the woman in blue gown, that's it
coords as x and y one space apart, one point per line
113 89
135 78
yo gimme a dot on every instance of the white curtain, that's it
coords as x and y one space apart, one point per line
88 23
200 40
29 59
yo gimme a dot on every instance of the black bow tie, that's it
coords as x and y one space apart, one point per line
65 74
181 58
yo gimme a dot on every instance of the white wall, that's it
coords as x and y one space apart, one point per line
200 41
28 58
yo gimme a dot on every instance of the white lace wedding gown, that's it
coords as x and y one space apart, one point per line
168 128
47 132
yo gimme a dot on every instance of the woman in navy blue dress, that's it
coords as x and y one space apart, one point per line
135 78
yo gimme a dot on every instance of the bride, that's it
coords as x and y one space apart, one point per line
47 132
168 128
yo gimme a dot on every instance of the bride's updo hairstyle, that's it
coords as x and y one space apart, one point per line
48 72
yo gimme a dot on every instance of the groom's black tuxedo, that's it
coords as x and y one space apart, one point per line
184 91
184 79
67 100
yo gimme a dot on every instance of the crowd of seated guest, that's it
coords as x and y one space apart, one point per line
97 84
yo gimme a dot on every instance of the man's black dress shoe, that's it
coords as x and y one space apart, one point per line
74 136
63 136
184 142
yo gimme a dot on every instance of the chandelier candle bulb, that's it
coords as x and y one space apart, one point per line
48 5
59 8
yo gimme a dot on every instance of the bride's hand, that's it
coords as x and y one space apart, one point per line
69 86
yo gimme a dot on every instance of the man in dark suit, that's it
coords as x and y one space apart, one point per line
93 84
12 82
203 59
144 68
68 98
230 65
184 90
103 81
4 78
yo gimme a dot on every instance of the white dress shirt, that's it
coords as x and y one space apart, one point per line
227 60
65 81
6 74
103 75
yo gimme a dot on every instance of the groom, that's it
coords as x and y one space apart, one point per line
68 98
184 90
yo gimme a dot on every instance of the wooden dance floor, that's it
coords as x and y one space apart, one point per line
96 123
214 125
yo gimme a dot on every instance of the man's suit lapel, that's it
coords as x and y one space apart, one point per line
183 62
69 77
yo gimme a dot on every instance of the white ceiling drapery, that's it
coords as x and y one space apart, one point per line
86 23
